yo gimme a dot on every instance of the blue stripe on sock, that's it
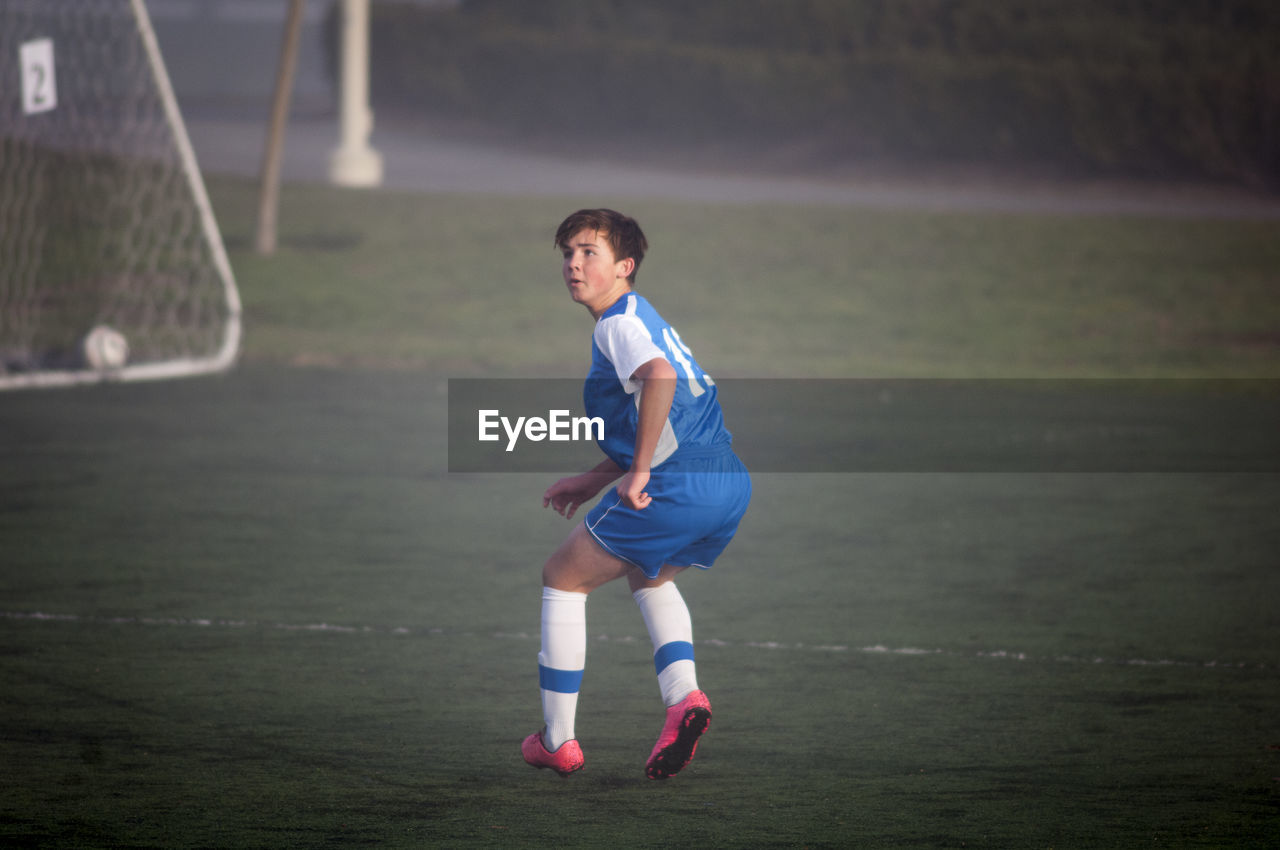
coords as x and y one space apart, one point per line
560 681
677 650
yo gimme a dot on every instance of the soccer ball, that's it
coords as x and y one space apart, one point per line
105 349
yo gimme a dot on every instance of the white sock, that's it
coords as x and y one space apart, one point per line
561 661
671 630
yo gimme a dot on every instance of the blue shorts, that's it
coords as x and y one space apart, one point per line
697 504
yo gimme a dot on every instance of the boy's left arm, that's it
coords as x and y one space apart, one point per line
658 378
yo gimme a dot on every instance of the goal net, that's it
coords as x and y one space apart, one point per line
111 263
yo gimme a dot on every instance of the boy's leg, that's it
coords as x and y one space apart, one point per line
561 662
671 630
688 709
576 568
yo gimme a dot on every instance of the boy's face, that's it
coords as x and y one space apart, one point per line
595 279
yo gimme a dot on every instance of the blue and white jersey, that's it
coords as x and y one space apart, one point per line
628 335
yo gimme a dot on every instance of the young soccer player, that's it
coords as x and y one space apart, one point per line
680 494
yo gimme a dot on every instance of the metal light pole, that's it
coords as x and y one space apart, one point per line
355 163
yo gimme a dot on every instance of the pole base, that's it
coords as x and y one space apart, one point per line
356 167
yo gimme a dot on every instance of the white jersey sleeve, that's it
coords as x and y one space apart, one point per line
624 339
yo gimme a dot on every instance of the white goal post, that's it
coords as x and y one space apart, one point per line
105 224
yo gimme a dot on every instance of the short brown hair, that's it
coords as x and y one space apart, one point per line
623 234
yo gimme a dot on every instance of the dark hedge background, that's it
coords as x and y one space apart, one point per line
1138 88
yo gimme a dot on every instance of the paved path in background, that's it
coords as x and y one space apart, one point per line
417 162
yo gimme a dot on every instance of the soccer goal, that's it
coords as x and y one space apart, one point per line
111 263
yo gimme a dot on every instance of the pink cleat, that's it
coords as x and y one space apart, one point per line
563 761
686 721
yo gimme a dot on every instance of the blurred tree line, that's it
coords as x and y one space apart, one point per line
1149 88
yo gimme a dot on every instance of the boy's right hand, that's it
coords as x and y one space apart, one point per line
568 493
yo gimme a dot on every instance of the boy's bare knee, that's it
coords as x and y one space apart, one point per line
580 565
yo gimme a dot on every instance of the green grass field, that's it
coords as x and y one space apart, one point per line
257 610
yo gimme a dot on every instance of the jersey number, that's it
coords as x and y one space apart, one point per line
683 356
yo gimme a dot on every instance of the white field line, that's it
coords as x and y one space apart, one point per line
767 646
